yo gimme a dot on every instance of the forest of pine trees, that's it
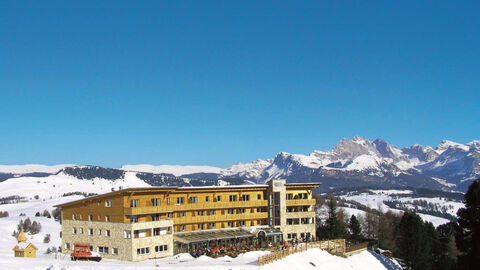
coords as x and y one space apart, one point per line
455 245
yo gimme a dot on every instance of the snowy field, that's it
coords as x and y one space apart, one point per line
377 200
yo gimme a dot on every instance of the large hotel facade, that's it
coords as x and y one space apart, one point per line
142 223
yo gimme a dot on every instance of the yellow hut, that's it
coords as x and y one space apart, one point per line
24 249
21 238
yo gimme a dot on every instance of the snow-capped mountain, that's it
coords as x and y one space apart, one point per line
352 163
361 162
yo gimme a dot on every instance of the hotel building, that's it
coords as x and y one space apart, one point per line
141 223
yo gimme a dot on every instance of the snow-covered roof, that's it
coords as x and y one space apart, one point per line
23 246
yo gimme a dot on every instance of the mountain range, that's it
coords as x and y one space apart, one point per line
352 163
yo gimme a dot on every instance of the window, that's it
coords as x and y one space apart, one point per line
103 250
276 207
292 221
67 246
142 251
241 223
211 226
134 203
193 199
182 228
90 231
170 215
303 196
74 230
74 217
156 217
141 233
231 211
219 198
201 226
107 233
133 219
259 196
90 248
115 251
168 201
90 217
306 221
127 234
161 248
207 198
291 235
180 200
108 203
212 212
159 231
231 224
276 197
200 213
107 218
156 202
81 230
245 197
181 214
289 196
241 211
233 198
99 231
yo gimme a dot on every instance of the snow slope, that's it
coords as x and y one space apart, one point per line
56 185
177 170
377 200
31 168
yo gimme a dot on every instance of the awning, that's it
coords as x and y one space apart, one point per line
213 235
269 231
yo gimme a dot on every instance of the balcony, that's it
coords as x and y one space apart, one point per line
301 202
215 218
308 214
193 206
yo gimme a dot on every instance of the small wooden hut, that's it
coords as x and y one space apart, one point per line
24 249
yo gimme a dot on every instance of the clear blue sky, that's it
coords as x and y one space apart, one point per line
194 82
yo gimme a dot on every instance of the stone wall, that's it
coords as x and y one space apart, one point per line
127 247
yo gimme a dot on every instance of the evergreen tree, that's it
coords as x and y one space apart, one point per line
447 258
413 243
27 224
468 233
334 228
355 228
35 228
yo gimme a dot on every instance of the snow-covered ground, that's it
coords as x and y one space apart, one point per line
31 168
54 186
377 200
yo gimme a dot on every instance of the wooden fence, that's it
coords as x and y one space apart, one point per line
356 247
333 246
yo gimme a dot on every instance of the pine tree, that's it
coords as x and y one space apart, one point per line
468 233
413 242
27 224
355 228
448 251
334 228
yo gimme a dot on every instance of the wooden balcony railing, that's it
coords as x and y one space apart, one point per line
301 202
215 218
193 206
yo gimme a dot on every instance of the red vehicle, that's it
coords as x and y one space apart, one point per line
82 252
